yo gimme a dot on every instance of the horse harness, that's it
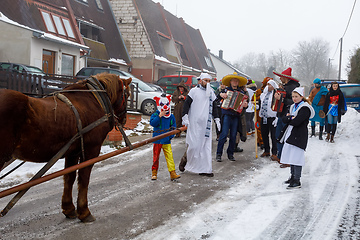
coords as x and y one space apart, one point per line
104 101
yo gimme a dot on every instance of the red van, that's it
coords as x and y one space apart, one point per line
170 82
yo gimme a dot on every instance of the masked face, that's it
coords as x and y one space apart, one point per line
163 104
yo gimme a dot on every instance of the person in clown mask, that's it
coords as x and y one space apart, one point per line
163 121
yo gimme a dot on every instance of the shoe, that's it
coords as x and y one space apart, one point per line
332 138
294 184
274 158
231 158
154 175
206 174
327 137
249 133
289 180
265 154
218 158
182 164
284 165
237 149
173 175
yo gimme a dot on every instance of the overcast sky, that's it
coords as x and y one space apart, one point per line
241 26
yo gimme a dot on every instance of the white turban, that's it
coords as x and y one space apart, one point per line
273 83
205 75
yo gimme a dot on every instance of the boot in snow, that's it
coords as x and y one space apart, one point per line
294 184
291 178
173 175
182 163
321 132
312 131
332 138
327 137
154 175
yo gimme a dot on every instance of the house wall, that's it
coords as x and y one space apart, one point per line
135 37
15 44
19 45
221 68
38 45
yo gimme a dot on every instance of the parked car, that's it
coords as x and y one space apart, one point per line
146 103
157 88
170 82
352 95
36 84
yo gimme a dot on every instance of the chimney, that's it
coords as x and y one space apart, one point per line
221 54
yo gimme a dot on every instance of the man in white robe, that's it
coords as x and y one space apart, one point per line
197 116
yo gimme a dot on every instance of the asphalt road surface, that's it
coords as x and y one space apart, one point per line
123 199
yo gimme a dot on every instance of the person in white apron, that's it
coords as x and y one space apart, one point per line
295 136
197 116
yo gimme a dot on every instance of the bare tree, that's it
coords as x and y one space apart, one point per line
311 60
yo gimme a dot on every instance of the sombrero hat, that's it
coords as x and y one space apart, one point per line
227 78
287 74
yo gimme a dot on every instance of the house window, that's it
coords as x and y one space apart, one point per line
98 4
67 65
208 62
59 25
68 28
48 22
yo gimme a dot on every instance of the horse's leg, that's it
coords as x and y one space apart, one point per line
83 211
69 179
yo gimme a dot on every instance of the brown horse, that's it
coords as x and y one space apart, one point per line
35 129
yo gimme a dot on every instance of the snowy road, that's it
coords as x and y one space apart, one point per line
245 200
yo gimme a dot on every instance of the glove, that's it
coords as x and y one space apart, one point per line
185 120
218 125
274 123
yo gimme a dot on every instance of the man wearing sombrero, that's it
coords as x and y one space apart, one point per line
289 83
230 117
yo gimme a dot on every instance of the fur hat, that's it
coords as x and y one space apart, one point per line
226 80
287 74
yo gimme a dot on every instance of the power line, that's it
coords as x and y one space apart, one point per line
345 28
349 18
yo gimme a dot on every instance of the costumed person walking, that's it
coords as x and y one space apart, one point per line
178 98
268 116
289 83
250 111
295 136
317 99
230 117
217 104
241 129
260 90
334 107
197 116
163 121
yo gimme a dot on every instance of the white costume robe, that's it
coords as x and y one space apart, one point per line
199 159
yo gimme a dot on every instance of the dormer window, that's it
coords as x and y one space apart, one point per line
48 22
99 5
58 25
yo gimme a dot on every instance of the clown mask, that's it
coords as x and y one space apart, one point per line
163 104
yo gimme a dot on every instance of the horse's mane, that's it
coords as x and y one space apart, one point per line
111 83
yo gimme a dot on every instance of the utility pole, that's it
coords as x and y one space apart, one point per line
339 77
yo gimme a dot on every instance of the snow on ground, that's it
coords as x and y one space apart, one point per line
259 206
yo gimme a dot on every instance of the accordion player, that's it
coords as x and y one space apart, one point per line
235 101
278 105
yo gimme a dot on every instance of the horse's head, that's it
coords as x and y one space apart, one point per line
118 91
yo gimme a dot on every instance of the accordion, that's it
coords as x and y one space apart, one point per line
278 105
234 101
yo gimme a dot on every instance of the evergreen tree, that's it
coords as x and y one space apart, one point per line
354 73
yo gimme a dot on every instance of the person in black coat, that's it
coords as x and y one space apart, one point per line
334 107
289 83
